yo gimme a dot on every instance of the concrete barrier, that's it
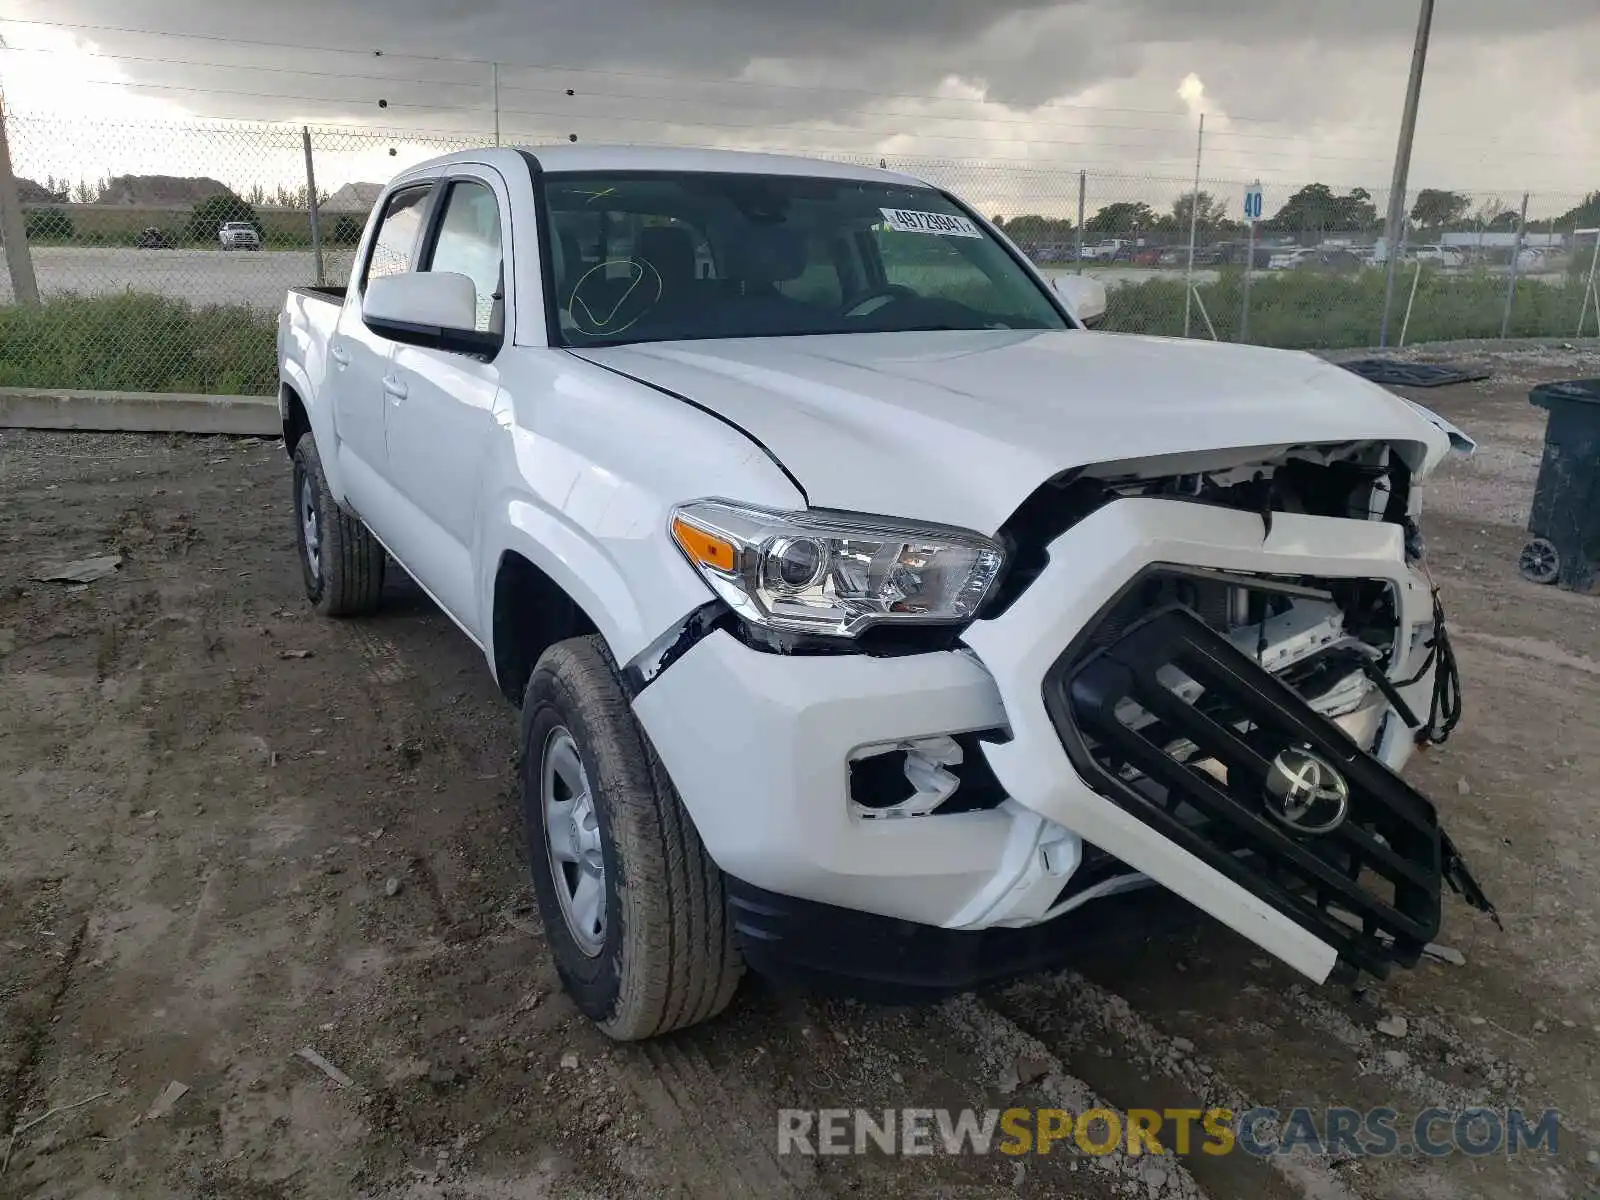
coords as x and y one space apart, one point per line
138 412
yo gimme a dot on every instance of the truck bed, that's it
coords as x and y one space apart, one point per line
333 295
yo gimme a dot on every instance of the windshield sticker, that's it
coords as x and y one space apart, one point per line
908 221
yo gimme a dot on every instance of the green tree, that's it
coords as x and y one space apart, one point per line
1211 212
1316 208
1122 217
48 224
1585 215
215 211
1031 231
1435 208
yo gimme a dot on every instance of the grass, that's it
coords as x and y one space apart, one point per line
144 343
1305 311
139 343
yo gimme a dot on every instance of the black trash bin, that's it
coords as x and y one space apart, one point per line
1565 521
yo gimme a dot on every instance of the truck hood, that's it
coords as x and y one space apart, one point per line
958 427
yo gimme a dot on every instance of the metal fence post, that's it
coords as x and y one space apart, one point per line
1194 218
1589 287
313 206
1249 272
1083 179
14 228
1516 253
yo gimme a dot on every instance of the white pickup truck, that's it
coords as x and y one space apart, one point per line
872 620
238 235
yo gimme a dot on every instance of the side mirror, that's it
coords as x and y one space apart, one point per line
1085 297
427 308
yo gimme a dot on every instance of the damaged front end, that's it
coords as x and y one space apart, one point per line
1234 695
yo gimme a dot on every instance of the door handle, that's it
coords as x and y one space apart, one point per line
340 356
394 388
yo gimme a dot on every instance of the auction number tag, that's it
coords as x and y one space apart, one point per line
909 221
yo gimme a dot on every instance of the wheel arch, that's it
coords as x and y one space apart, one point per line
529 612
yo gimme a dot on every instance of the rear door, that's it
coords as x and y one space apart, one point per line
358 358
438 402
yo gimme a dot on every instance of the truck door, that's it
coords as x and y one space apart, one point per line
359 358
438 402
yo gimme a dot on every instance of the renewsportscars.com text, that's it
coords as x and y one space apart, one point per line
1260 1132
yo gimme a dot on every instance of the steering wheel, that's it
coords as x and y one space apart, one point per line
890 291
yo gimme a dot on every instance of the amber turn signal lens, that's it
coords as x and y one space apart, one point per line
703 547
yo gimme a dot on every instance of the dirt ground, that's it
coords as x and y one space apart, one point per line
230 830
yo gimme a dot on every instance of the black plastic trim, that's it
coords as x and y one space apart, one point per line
888 960
1261 856
645 667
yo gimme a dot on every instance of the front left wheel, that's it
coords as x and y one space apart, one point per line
632 904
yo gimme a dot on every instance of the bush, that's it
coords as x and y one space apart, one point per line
139 343
346 231
48 224
216 211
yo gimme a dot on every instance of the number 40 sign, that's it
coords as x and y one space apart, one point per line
1252 202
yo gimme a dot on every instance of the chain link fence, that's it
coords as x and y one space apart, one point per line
146 283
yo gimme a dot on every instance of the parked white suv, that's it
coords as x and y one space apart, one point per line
239 235
869 617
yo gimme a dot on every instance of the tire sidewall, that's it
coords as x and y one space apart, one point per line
306 467
595 982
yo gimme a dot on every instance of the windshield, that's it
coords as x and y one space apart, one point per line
661 256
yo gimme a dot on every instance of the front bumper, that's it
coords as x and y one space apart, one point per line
759 744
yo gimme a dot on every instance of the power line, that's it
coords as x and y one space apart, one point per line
673 79
229 66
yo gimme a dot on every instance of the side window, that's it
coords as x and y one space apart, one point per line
396 243
469 243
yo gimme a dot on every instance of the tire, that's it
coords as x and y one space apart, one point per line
662 957
1540 561
341 563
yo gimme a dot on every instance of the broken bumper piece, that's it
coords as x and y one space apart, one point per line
1252 782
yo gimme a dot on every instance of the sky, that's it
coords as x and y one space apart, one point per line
1004 100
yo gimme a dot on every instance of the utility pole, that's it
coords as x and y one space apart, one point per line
14 227
1394 230
1194 217
496 68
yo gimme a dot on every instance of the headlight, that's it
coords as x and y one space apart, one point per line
835 573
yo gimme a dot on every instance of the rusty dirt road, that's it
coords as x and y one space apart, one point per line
230 831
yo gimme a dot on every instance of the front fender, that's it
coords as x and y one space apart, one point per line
582 484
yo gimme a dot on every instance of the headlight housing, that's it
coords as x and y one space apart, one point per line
835 574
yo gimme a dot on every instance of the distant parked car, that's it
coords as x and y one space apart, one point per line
1329 261
1108 250
239 235
1172 256
1436 256
1287 260
152 238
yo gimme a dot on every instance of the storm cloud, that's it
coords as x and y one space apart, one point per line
1293 90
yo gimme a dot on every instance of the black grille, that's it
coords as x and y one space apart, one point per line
1195 767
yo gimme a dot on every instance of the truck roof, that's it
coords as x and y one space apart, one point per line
583 159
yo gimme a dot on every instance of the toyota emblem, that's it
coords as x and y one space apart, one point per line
1306 792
